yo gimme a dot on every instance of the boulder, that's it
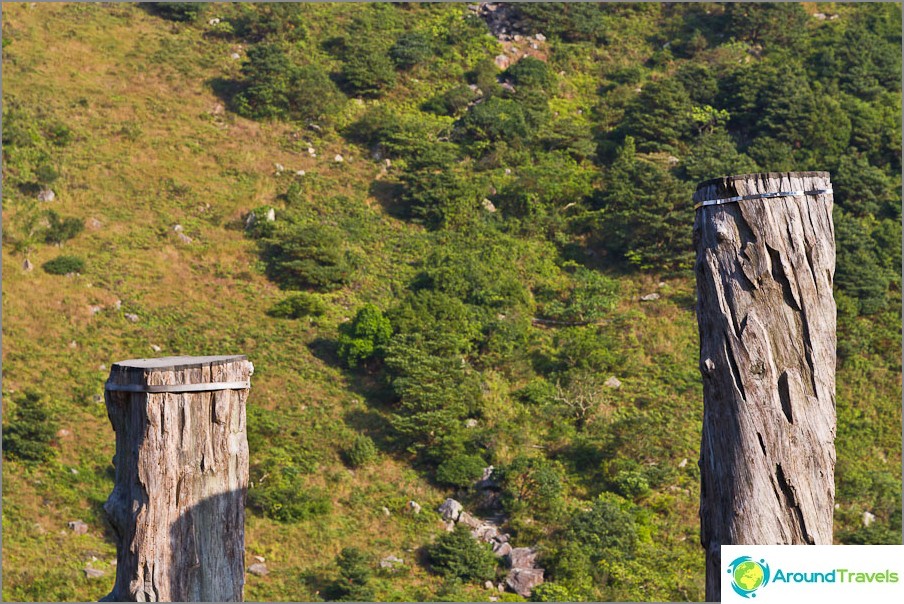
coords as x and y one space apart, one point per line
415 507
540 38
502 61
485 532
131 318
522 557
450 510
184 238
259 568
613 382
502 549
93 573
46 195
489 585
868 518
391 562
488 205
649 297
93 224
523 580
78 527
27 265
469 520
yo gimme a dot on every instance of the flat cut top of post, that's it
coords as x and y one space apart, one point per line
176 363
760 176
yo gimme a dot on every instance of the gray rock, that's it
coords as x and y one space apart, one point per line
27 265
485 532
523 580
279 168
449 526
868 518
259 568
391 562
613 382
271 215
94 224
683 463
502 61
385 510
649 297
235 56
415 507
540 38
260 558
131 318
819 16
155 348
78 527
502 549
501 538
450 510
315 127
507 86
96 308
488 205
184 238
93 573
489 585
469 520
517 37
117 305
338 159
178 228
522 557
46 195
214 21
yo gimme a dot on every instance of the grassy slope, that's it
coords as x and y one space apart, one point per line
152 151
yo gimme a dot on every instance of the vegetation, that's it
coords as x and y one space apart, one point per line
454 293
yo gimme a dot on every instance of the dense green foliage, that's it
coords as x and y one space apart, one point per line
456 292
29 431
64 265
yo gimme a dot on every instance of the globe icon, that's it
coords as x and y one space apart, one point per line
748 575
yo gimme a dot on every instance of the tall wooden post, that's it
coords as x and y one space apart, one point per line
765 264
178 505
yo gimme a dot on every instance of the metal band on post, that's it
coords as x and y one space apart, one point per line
210 387
716 202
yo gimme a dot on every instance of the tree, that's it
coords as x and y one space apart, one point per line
354 575
460 470
410 49
366 67
459 555
307 256
29 433
365 337
530 72
534 486
60 230
177 11
661 116
608 529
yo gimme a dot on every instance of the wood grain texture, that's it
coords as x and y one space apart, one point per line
766 316
178 504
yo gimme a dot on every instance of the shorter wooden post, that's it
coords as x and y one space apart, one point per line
178 505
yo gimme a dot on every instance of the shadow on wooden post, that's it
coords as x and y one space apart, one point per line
766 314
178 504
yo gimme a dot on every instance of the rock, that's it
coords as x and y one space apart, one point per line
131 318
315 127
673 161
450 510
93 573
534 45
649 297
517 37
469 520
271 215
661 284
117 305
470 423
820 16
523 580
46 195
27 265
613 382
485 533
98 398
63 432
338 159
414 506
299 173
385 510
522 557
311 152
502 549
94 309
260 558
494 599
259 568
73 471
155 348
868 518
507 86
449 526
540 38
391 562
235 56
78 527
473 7
279 168
501 538
508 171
213 21
502 61
488 205
501 587
683 463
178 228
489 585
93 224
184 238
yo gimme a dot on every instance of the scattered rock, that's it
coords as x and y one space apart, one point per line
46 195
613 382
450 510
507 86
315 127
178 228
868 518
414 506
488 205
27 265
235 56
299 173
259 568
78 527
279 168
502 549
540 38
260 558
502 61
93 224
819 16
93 573
98 398
131 318
385 510
649 297
673 161
449 526
63 432
470 423
469 520
117 305
214 21
683 463
96 308
500 587
523 580
522 557
485 532
661 284
338 159
184 238
391 562
271 215
508 171
517 37
489 585
311 152
73 471
155 348
73 344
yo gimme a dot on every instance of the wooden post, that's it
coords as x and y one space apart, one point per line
178 505
765 265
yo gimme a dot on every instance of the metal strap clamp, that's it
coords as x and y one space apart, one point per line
716 202
208 387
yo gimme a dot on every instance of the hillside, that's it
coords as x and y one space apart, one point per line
467 207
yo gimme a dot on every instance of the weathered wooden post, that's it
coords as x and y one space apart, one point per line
765 263
178 505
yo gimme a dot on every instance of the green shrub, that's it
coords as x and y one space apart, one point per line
298 305
365 337
534 486
307 256
461 470
451 102
361 452
63 265
410 49
631 484
177 11
531 73
494 120
366 67
284 496
459 555
608 528
60 230
29 432
355 570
